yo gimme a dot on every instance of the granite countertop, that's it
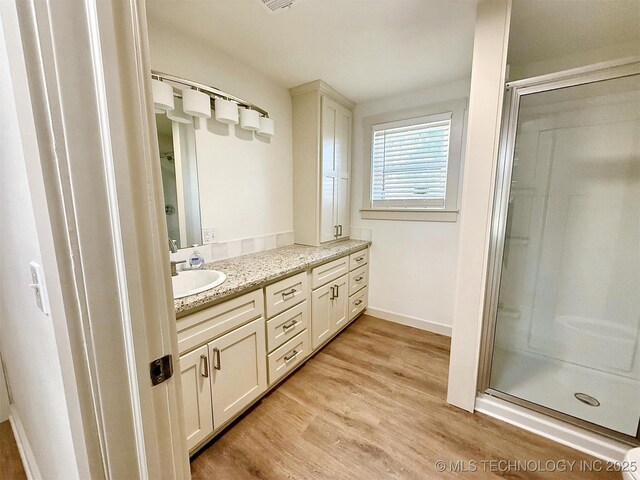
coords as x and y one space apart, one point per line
255 270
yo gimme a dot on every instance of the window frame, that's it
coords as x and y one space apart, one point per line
453 110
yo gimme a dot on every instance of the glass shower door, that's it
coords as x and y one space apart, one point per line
568 307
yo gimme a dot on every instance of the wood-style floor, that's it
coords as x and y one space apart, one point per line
10 462
371 405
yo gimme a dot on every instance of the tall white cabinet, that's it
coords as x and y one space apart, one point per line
322 143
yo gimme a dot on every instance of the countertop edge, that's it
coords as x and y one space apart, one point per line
263 282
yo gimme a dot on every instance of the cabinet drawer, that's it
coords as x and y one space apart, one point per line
329 271
288 356
359 278
287 325
201 327
358 259
285 294
357 303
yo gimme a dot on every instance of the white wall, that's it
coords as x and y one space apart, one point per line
27 336
4 395
413 264
485 103
245 182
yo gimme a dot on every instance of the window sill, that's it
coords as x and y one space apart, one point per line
409 215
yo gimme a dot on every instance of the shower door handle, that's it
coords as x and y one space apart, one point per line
507 233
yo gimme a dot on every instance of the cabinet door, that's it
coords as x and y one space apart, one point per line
343 163
340 303
238 370
329 173
196 395
322 325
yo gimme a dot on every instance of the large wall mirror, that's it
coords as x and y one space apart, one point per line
177 144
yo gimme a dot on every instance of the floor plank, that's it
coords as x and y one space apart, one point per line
10 463
371 405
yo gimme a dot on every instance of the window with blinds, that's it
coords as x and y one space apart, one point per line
409 161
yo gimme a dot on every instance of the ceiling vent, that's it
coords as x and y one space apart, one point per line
276 5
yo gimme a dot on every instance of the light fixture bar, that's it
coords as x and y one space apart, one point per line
211 91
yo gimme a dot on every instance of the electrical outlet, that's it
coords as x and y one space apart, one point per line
209 235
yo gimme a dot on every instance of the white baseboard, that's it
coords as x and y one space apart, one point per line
415 322
588 442
24 447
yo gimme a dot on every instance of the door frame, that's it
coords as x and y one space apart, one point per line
81 73
513 93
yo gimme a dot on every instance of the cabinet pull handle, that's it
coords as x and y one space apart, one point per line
289 325
359 259
333 292
359 279
293 355
290 292
335 231
203 358
337 287
358 303
216 359
339 230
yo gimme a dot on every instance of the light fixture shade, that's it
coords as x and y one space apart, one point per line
226 111
177 114
162 95
267 127
249 119
196 103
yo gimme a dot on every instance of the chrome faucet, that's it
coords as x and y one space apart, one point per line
173 248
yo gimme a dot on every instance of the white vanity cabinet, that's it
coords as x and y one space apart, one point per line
233 352
322 143
223 363
329 310
339 295
238 370
196 395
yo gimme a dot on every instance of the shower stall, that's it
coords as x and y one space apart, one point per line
562 313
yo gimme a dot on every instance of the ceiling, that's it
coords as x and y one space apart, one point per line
543 29
364 48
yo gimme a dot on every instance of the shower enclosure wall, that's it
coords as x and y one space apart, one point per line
562 318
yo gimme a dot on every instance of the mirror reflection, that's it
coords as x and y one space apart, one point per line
176 142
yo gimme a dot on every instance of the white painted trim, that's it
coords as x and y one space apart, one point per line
456 111
409 215
24 447
588 442
483 133
410 321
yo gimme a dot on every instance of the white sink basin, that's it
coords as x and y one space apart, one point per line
190 282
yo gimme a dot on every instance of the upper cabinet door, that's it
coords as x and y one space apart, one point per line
343 156
330 171
238 370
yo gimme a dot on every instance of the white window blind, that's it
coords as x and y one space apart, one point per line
409 163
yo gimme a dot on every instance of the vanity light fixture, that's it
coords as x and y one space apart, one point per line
162 95
226 111
178 114
196 103
267 127
249 119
